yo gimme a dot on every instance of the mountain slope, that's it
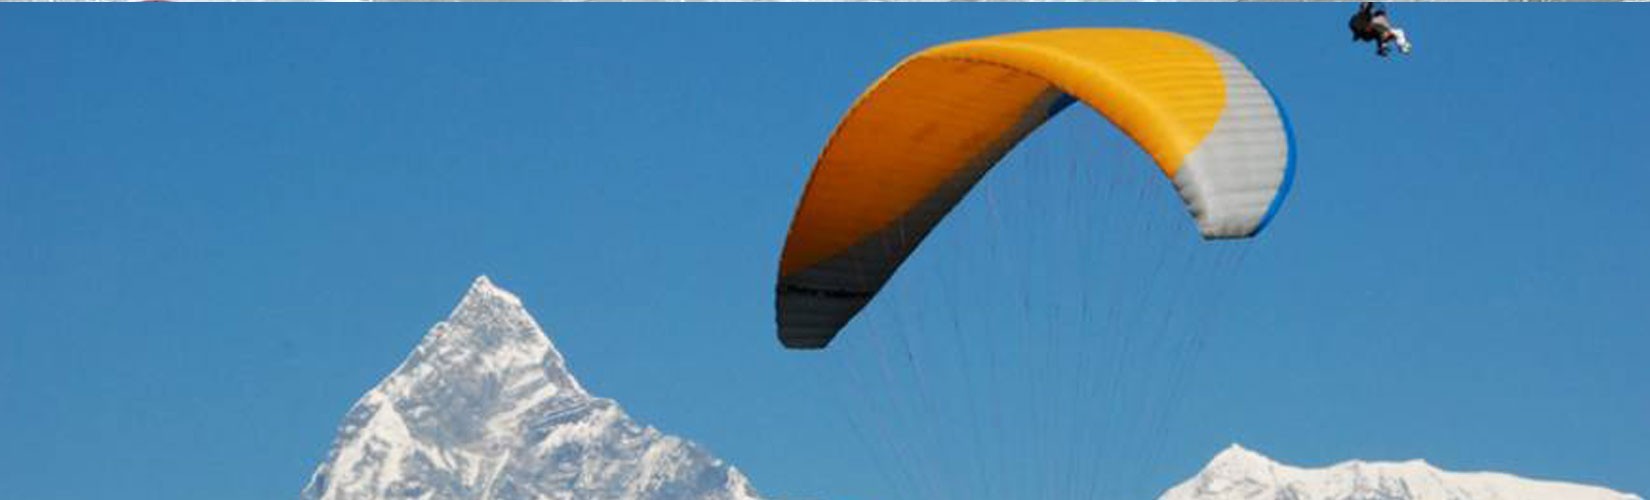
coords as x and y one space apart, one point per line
1240 474
484 407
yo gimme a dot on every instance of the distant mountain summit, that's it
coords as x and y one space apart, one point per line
484 407
1240 474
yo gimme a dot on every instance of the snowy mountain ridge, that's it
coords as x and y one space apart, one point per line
484 407
1241 474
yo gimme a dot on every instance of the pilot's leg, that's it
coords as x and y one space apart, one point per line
1403 43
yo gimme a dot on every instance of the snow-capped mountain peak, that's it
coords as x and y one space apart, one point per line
485 407
1238 462
1237 473
491 330
483 289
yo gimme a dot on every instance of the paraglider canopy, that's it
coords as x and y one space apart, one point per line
919 138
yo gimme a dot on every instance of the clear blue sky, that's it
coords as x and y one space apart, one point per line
219 225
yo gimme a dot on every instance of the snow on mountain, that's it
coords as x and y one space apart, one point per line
1240 474
484 407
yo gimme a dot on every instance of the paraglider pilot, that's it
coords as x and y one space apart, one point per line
1370 24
